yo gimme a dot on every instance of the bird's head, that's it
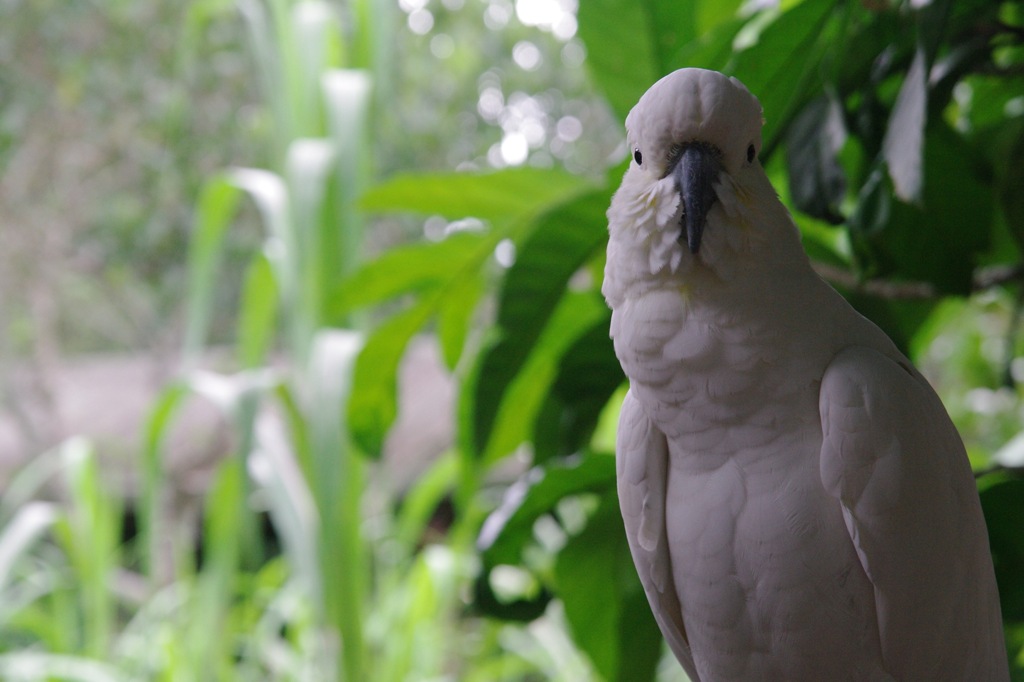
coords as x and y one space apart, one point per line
695 137
690 127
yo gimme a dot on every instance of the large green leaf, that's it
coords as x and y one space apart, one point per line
499 196
631 44
410 269
938 241
817 183
447 274
216 208
1003 504
257 317
902 147
508 531
521 403
558 246
455 315
1010 176
373 406
588 375
604 601
625 48
782 67
509 528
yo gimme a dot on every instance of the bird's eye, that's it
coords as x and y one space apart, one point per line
638 157
751 152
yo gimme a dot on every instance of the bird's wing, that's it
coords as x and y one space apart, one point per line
893 459
642 476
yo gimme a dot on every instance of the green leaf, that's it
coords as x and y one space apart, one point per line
588 375
153 523
938 241
448 274
623 47
1003 504
90 532
1010 177
258 314
521 403
710 50
373 405
562 241
902 146
604 600
422 500
218 202
631 44
270 195
781 68
509 528
347 100
817 183
410 269
502 195
455 315
222 548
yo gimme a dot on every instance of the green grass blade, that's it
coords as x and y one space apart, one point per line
33 666
91 533
346 94
318 46
218 202
340 479
292 507
208 633
17 537
257 318
308 168
154 536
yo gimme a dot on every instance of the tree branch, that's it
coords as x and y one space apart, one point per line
1016 471
984 279
873 287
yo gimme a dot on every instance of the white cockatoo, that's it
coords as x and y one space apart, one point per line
798 503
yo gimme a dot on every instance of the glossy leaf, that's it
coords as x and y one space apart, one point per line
1003 504
781 67
509 528
411 269
455 316
215 210
521 402
558 246
258 315
631 44
373 405
817 182
605 602
625 52
938 241
496 196
588 375
902 147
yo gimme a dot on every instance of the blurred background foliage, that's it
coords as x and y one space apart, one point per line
271 203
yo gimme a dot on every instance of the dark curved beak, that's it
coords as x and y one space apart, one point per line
696 171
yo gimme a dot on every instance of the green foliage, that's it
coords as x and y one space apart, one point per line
895 134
